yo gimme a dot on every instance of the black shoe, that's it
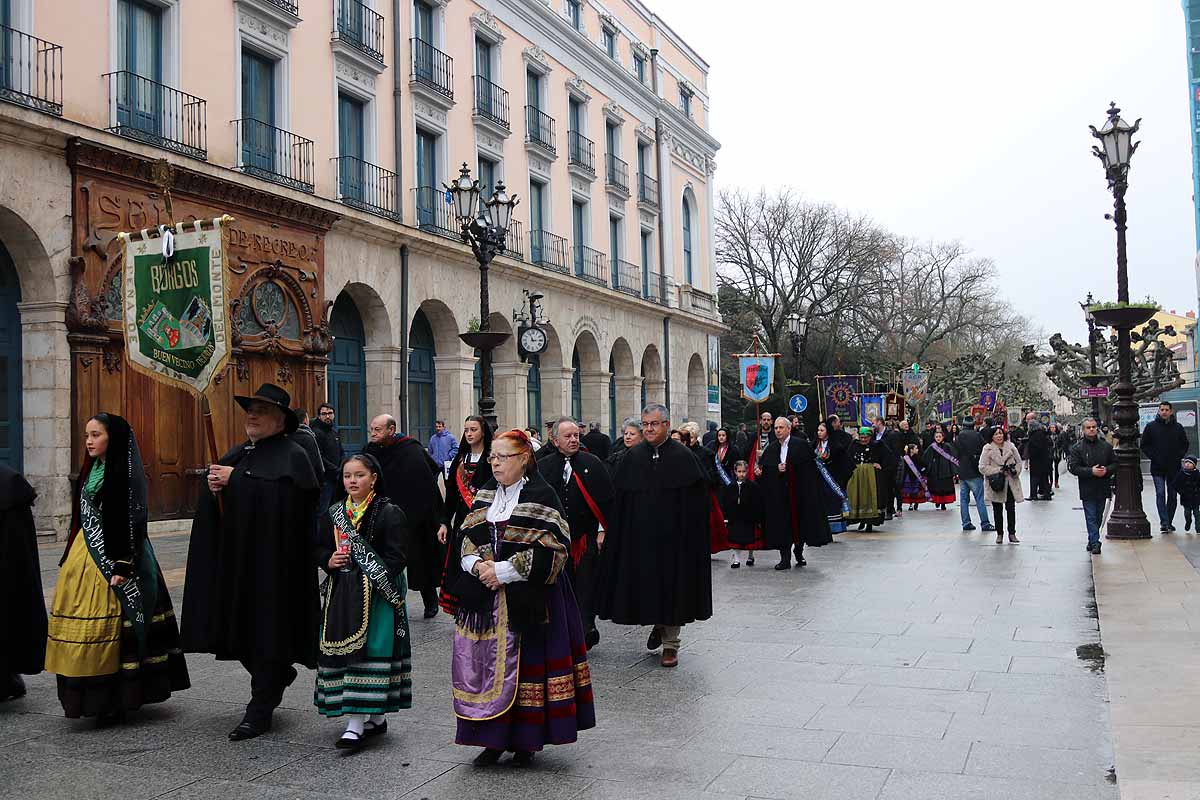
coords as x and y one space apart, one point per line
654 641
1172 528
969 526
1187 525
591 638
988 528
800 562
431 611
1096 549
1089 547
782 565
870 528
350 741
522 758
488 757
374 729
735 565
248 730
750 561
14 688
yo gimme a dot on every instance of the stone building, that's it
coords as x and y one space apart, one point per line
327 128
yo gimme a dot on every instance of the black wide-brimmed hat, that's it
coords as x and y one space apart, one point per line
273 395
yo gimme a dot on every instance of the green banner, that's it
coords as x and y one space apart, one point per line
175 318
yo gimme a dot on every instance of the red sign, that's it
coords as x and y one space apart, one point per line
1093 391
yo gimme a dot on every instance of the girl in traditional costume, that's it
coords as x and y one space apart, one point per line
744 508
941 466
364 670
910 475
113 640
829 465
862 491
469 472
520 672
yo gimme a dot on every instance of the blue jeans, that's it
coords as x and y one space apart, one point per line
966 488
1166 498
1093 513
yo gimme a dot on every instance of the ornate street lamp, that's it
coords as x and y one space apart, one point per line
797 325
484 224
1092 378
1116 148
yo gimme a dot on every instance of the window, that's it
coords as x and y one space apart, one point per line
611 139
687 242
610 42
537 208
428 194
483 59
487 178
533 90
614 247
351 146
139 53
423 21
576 387
639 68
575 14
574 115
258 104
685 101
646 263
643 158
578 231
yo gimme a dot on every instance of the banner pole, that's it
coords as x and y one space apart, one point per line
211 436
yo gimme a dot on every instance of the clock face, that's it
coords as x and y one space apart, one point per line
533 340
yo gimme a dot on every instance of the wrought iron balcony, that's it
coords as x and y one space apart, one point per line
286 5
434 214
361 28
433 68
647 190
514 241
30 71
548 251
491 102
627 277
652 288
539 129
591 265
366 186
274 155
151 112
616 173
581 152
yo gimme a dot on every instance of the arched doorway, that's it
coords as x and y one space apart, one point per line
534 394
348 374
11 445
697 390
576 387
612 399
422 386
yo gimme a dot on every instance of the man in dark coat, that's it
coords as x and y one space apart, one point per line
1164 442
795 513
251 589
654 567
1039 449
305 437
24 649
709 439
332 454
597 442
409 480
897 440
582 483
1092 459
969 447
889 501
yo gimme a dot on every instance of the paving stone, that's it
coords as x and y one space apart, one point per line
621 761
1082 684
501 780
773 778
747 739
935 786
900 752
967 662
53 778
370 773
891 722
912 677
921 699
853 655
830 694
213 789
1039 763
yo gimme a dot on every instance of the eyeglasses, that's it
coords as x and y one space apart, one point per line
654 423
498 458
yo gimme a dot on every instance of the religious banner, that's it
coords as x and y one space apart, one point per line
945 409
893 406
839 395
915 385
758 375
987 399
872 408
714 375
175 321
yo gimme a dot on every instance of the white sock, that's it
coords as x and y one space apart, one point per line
355 722
737 556
377 719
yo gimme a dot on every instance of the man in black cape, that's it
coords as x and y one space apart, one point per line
839 447
654 566
597 442
886 479
582 483
795 510
409 480
251 589
24 650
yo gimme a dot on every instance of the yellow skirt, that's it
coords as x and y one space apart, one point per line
85 620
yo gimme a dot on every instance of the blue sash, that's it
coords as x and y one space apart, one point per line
833 486
721 473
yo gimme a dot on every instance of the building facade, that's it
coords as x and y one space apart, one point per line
327 129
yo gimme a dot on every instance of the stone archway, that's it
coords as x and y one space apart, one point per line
697 390
589 390
654 387
363 351
626 384
453 367
548 382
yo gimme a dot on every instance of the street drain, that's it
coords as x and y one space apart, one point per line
1092 655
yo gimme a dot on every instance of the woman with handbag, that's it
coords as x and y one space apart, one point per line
1000 465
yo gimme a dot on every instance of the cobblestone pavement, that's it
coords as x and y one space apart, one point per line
916 662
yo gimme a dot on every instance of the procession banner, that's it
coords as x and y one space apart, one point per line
174 318
758 375
945 409
915 385
872 408
839 395
714 375
987 399
893 406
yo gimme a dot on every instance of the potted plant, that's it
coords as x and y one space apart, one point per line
1123 315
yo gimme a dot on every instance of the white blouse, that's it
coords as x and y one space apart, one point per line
499 511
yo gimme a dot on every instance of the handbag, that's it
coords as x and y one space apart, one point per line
998 481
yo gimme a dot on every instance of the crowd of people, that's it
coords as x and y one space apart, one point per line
525 543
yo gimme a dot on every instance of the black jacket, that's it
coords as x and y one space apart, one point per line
594 475
1188 485
306 438
1165 444
1086 454
597 443
330 443
969 446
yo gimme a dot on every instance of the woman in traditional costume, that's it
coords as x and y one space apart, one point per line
726 451
520 672
910 475
364 670
743 507
469 472
941 466
862 491
831 462
113 640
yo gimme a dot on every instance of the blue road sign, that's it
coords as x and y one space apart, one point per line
798 403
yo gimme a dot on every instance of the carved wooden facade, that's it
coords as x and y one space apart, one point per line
277 305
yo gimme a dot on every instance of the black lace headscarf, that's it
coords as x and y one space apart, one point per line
122 496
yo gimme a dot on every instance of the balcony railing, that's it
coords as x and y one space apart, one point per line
151 112
514 241
616 173
434 214
591 265
652 287
30 71
433 68
366 186
273 154
627 277
361 28
539 129
548 251
703 301
581 151
286 5
491 102
647 190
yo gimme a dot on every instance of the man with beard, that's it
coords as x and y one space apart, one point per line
582 483
330 444
763 437
409 481
654 568
795 514
250 594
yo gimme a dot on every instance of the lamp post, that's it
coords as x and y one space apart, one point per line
484 225
1128 520
798 332
1092 377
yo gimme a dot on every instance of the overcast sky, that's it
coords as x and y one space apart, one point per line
954 119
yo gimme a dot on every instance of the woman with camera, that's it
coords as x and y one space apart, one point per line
1000 465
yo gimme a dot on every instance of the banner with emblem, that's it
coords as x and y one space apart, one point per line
872 408
839 395
758 376
174 317
915 385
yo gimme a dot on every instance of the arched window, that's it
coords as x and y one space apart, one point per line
687 241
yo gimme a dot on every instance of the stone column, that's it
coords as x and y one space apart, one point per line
594 402
556 391
383 380
455 384
46 412
629 398
512 394
656 392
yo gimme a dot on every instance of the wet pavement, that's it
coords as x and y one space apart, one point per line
915 662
